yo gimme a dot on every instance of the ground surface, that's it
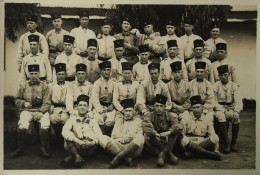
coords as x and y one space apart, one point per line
244 159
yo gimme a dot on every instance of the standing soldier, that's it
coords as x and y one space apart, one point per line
69 58
116 62
140 69
82 34
198 51
93 70
180 91
33 107
24 45
170 28
221 49
211 42
55 37
35 57
166 73
130 39
102 98
228 107
62 101
161 130
188 38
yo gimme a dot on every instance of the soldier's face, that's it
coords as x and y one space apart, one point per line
31 26
127 75
170 29
197 110
106 72
106 29
57 23
144 56
215 33
61 76
148 29
198 51
173 51
224 78
81 76
34 47
221 54
119 52
154 73
159 108
177 75
200 74
92 51
82 107
129 113
68 47
84 22
188 28
126 26
34 76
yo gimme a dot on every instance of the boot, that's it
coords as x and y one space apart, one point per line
235 130
224 134
73 149
21 134
58 138
44 143
171 156
129 161
36 133
198 149
160 160
67 160
128 150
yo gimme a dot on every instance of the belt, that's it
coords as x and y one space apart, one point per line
176 102
57 105
105 104
165 81
70 78
224 103
41 78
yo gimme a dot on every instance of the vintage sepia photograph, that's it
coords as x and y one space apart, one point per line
137 86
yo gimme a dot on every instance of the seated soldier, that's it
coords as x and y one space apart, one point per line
228 107
127 138
199 135
33 107
161 130
81 133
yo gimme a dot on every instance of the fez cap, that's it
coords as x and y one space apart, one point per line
154 66
81 67
214 24
60 67
83 14
33 18
68 39
171 22
200 65
198 43
92 42
106 22
34 38
189 20
221 46
119 43
222 69
160 99
127 66
105 64
172 43
128 103
143 48
148 22
55 15
33 68
83 98
127 19
195 100
176 66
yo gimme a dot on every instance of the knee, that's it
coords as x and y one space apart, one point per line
185 141
24 121
214 139
54 118
220 116
64 117
45 121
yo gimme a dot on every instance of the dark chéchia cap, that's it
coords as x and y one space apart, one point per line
200 65
34 38
198 43
195 100
33 68
172 43
60 67
171 22
55 15
222 69
106 22
176 66
128 103
148 22
83 98
221 46
119 43
105 64
189 20
68 39
154 66
33 18
160 99
127 19
92 42
81 67
214 25
127 66
143 48
83 13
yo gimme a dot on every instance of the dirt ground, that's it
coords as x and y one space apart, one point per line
244 159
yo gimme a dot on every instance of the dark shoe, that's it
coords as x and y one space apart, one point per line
129 161
44 153
21 134
187 154
224 134
200 150
79 160
173 158
234 148
114 163
226 149
160 160
17 153
67 160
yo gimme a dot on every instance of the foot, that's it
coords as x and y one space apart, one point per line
226 149
44 153
187 155
173 158
113 163
17 153
234 148
216 156
67 161
79 160
129 161
160 160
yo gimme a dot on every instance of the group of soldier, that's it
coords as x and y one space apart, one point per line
128 92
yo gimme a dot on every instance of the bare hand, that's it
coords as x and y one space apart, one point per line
127 45
38 116
27 105
110 108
